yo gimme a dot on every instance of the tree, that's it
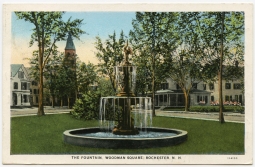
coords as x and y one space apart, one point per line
50 72
86 76
221 32
185 72
65 84
86 107
49 28
151 42
183 65
109 53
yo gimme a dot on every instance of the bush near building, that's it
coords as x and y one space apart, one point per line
216 109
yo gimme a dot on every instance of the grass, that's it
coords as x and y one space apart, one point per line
43 135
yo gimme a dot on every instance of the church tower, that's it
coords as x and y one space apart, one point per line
70 52
70 65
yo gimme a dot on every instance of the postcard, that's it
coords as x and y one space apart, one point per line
128 84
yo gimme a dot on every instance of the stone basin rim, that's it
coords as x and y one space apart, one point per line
167 130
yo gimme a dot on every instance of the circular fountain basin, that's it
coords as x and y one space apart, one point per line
147 138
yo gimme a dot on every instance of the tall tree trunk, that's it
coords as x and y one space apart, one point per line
53 101
221 117
40 100
153 87
68 101
186 96
153 67
61 102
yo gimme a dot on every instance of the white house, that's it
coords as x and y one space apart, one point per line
201 94
172 95
20 86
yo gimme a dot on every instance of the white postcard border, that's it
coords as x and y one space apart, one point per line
172 159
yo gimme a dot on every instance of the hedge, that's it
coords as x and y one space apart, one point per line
216 108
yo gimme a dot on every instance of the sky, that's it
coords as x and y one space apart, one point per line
94 24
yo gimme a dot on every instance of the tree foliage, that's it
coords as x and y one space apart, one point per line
185 66
86 76
109 54
152 41
49 28
222 34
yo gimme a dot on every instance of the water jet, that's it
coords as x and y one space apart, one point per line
125 121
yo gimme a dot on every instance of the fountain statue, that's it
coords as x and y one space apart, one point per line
125 121
122 102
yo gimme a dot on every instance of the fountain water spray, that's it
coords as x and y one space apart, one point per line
125 121
128 111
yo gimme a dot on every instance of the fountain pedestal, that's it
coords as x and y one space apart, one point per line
125 126
125 79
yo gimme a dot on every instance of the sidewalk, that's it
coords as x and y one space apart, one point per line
15 112
228 116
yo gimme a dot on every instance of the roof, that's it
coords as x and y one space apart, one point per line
69 43
168 91
164 91
15 68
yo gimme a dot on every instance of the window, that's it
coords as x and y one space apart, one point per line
236 97
227 85
237 86
28 86
204 86
202 99
226 98
178 87
240 99
25 98
15 85
21 74
180 100
165 98
23 86
194 85
211 86
36 99
34 83
160 98
164 86
212 98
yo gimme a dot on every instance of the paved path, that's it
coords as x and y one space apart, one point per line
16 112
228 116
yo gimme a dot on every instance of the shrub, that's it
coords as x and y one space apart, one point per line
216 108
87 107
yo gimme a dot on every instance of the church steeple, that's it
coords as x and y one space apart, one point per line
70 53
70 48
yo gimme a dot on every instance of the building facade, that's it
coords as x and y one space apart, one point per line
19 86
171 95
200 94
231 90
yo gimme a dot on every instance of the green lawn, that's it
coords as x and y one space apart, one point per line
43 135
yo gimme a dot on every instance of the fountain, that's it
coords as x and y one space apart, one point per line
133 116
